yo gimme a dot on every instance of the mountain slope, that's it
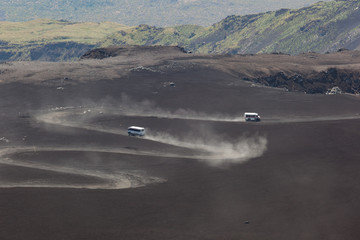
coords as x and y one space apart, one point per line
135 12
325 26
51 40
322 27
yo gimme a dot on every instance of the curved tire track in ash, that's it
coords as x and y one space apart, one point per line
215 153
100 179
208 152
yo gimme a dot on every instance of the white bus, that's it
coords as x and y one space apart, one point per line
251 116
136 131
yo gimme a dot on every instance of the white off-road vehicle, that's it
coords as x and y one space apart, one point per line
251 116
136 131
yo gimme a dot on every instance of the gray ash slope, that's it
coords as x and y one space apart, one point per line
305 184
309 73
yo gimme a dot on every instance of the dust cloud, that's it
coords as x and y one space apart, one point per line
147 108
207 146
216 151
211 148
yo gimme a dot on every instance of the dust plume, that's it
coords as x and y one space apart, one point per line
146 108
212 148
216 151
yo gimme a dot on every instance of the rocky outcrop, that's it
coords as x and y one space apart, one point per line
101 53
347 81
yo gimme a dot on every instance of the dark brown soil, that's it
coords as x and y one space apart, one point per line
304 186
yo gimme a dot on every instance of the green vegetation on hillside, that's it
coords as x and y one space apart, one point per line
159 13
45 31
325 26
51 40
322 27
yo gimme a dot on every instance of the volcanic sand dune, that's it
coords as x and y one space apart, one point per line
68 170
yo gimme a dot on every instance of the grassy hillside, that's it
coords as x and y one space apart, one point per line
147 35
322 27
44 31
51 40
155 12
